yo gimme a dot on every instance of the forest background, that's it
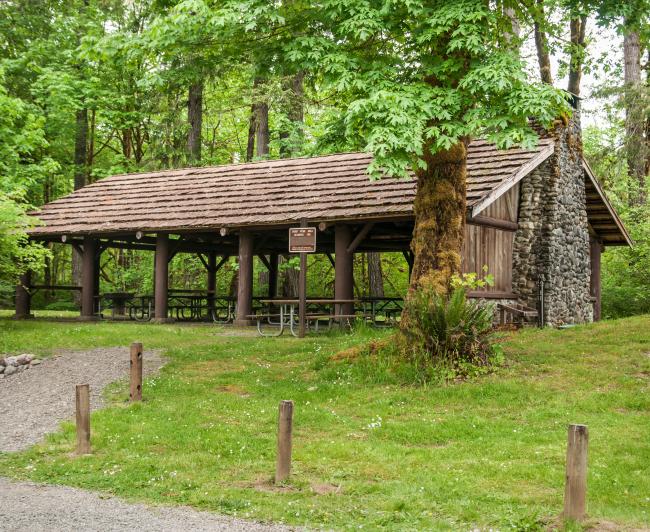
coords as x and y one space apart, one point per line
91 88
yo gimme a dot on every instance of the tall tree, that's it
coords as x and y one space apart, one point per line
195 120
578 29
541 43
636 143
375 274
420 80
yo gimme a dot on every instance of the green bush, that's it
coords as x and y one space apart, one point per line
453 332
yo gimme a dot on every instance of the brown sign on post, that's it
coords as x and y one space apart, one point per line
302 240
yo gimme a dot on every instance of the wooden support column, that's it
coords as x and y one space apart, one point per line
161 280
96 274
595 253
212 279
344 271
88 278
23 297
273 275
245 285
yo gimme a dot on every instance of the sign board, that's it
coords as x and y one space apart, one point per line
302 240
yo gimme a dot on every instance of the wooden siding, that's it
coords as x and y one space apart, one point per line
492 247
506 207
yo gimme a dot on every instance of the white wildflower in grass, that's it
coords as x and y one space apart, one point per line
375 424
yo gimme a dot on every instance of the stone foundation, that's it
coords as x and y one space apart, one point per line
552 242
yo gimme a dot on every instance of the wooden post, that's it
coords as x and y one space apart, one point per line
212 281
23 297
245 285
285 426
302 291
343 270
88 266
136 372
575 488
82 395
161 279
273 275
96 280
595 253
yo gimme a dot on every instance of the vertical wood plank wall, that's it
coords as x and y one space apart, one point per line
492 247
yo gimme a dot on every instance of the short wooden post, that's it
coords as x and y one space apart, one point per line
83 418
285 425
136 372
575 488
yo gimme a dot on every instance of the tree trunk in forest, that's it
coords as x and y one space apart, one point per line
375 275
250 145
513 35
635 144
578 28
80 179
440 210
262 134
541 44
258 126
292 139
195 120
290 280
81 149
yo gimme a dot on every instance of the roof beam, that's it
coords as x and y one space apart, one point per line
360 236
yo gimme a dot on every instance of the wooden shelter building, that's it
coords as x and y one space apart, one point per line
245 210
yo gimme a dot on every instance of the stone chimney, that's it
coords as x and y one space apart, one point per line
551 264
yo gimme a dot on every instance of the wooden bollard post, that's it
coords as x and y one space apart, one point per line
82 395
136 372
285 425
575 489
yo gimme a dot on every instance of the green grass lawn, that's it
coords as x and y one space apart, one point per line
485 453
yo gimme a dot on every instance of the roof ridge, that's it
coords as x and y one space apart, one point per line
191 169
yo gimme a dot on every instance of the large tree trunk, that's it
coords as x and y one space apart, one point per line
578 27
541 44
440 210
195 119
375 275
80 179
635 143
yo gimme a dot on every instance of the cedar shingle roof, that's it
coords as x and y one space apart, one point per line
278 192
282 192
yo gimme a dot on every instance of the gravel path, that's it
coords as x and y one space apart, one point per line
35 507
35 401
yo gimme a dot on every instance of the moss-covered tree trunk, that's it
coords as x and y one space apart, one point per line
440 210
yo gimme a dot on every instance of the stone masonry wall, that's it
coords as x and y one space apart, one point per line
553 236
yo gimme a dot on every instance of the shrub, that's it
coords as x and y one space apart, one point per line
453 332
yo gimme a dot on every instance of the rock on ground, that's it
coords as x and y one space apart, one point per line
35 402
34 507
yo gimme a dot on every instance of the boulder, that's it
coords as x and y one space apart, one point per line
10 370
2 362
11 361
35 362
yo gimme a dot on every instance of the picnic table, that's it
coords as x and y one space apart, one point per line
318 310
118 303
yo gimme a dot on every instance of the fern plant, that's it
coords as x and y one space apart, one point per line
453 330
